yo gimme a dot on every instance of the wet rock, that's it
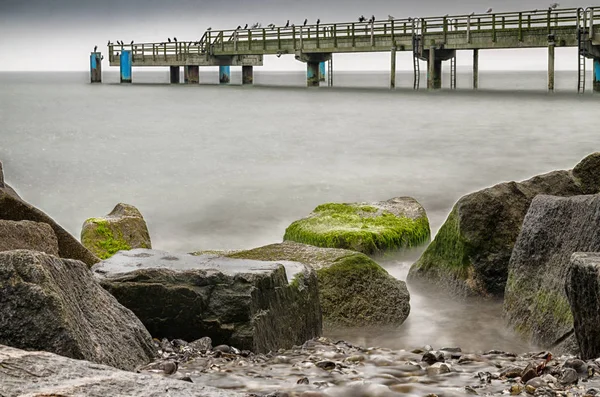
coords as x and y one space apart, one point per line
257 306
511 372
202 344
370 228
223 348
28 235
326 365
592 392
123 229
14 208
303 381
568 376
26 373
438 369
429 358
468 257
544 392
578 365
65 311
536 303
516 389
451 349
529 373
583 291
534 384
353 289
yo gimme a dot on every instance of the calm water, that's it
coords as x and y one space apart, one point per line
215 167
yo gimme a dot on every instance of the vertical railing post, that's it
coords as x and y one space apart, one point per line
469 29
264 32
294 37
446 30
548 20
520 26
143 53
301 38
279 38
494 28
528 21
317 36
353 36
503 23
373 33
249 39
335 36
392 32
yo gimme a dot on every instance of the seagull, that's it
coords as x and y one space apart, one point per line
271 25
410 19
361 18
168 38
239 27
246 27
131 42
390 18
287 25
109 43
305 22
95 48
318 21
175 39
554 5
373 18
488 10
208 29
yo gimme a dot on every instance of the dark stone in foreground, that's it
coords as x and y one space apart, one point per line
470 254
535 302
35 236
13 208
252 305
583 292
25 373
56 305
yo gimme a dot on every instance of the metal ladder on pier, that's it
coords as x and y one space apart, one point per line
453 72
581 52
416 40
330 72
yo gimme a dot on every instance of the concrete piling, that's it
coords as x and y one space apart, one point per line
475 69
174 74
126 66
551 45
596 72
247 75
96 67
434 71
322 71
224 74
191 74
393 69
312 74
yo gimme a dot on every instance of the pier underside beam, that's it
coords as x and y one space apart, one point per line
174 74
475 69
224 74
125 63
96 67
596 71
191 74
247 75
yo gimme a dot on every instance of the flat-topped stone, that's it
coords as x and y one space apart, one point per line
27 235
249 304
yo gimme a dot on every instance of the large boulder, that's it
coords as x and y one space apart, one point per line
123 229
35 236
13 208
56 305
583 291
469 255
354 290
370 228
42 374
535 303
252 305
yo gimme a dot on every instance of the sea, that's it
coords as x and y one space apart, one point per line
230 167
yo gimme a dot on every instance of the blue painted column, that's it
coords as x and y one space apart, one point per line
96 67
224 74
596 74
322 71
312 74
126 64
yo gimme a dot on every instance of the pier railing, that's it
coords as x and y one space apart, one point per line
277 39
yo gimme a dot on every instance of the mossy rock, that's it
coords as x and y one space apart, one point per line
354 291
121 230
370 228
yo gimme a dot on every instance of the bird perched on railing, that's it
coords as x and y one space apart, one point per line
318 22
169 39
362 18
489 10
109 43
271 26
390 18
287 25
239 27
554 6
246 26
95 48
131 42
305 22
175 39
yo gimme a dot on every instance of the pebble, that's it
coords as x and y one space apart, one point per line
326 365
511 372
438 369
568 376
222 349
516 389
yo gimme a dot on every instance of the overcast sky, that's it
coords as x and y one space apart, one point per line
59 34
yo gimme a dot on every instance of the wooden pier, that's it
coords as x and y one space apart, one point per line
430 39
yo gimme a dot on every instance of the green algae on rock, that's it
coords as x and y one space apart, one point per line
354 291
123 229
370 228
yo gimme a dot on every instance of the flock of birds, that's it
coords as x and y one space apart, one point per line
272 26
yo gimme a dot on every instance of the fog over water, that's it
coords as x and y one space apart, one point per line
215 167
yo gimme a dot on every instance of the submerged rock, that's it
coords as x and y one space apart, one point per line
354 290
370 228
123 229
258 306
26 373
583 292
35 236
469 256
13 208
56 305
535 302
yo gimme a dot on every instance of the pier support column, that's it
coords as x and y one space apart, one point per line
322 71
191 74
596 71
174 74
125 62
434 71
96 67
475 69
224 74
247 75
312 74
551 66
393 69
